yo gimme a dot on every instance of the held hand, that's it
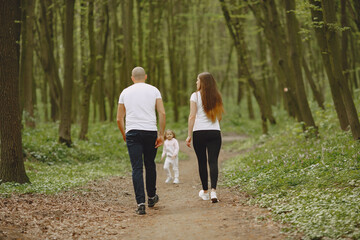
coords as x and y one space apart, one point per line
173 157
159 141
188 142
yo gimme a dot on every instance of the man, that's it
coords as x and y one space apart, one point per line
138 102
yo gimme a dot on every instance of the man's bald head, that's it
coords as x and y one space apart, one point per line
138 73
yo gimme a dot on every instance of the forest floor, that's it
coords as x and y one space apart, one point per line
105 209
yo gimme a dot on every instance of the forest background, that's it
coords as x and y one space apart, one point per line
288 71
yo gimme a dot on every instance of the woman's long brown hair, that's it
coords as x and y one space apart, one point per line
210 97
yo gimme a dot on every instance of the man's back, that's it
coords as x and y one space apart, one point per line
140 101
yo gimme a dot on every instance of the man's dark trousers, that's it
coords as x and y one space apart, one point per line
141 148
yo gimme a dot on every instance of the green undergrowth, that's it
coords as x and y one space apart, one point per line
53 167
313 184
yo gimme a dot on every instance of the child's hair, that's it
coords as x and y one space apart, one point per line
172 132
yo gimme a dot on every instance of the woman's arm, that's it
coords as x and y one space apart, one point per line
191 122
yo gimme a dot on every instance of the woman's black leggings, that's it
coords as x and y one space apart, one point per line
210 141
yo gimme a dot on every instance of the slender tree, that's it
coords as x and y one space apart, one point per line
335 58
26 62
65 121
319 27
88 70
235 26
11 162
267 17
296 63
45 50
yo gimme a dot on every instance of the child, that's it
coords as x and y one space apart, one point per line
171 151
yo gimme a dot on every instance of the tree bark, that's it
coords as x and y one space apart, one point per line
335 59
88 72
101 45
355 60
316 93
127 24
12 167
275 37
65 119
249 103
27 64
317 16
173 40
237 33
47 58
344 42
139 7
295 61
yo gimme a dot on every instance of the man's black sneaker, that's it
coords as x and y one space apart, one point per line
152 201
141 209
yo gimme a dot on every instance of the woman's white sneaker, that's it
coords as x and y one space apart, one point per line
203 195
213 197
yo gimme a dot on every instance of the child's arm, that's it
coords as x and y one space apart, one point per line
176 150
164 151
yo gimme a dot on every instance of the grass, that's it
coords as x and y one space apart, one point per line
53 167
313 184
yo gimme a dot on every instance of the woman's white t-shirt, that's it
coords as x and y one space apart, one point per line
140 101
202 122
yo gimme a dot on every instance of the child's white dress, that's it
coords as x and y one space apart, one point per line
171 148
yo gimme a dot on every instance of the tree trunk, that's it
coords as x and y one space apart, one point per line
12 167
27 64
275 37
173 40
139 7
127 24
236 30
317 16
316 93
249 103
47 59
65 118
88 72
295 60
114 58
154 42
335 59
344 42
101 44
355 57
357 13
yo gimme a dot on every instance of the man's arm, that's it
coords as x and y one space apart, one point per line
162 122
120 119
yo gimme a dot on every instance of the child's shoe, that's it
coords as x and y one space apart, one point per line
203 195
213 197
168 180
176 181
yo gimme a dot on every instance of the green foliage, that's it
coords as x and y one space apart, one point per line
311 183
53 167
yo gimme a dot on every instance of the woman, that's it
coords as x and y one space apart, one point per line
206 109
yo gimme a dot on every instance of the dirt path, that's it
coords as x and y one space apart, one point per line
106 211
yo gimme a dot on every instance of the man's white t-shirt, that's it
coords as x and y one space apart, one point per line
140 101
202 122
